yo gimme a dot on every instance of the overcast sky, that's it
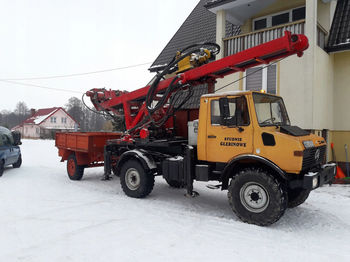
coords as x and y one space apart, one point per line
41 38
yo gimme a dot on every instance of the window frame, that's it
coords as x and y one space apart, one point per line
230 97
269 18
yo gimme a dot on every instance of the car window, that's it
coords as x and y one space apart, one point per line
1 140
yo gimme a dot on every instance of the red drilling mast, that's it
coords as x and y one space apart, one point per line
136 106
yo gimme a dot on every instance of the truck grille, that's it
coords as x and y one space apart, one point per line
310 160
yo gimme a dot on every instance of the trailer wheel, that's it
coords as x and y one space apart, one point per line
75 172
18 163
256 197
2 167
297 196
135 181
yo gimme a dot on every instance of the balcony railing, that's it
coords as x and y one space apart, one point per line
241 42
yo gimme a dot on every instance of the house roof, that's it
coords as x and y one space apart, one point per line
199 27
339 37
194 101
42 114
215 3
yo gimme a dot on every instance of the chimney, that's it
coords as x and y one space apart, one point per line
32 112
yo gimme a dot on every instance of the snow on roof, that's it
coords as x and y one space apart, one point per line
41 115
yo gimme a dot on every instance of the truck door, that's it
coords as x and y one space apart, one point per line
231 134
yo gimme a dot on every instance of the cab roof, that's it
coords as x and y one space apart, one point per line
234 93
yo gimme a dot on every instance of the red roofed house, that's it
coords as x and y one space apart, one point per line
45 122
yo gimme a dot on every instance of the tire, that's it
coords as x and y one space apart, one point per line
256 197
115 170
135 181
2 167
75 172
175 184
297 196
18 163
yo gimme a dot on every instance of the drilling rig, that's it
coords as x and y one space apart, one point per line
242 140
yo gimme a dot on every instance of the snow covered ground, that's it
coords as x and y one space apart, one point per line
47 217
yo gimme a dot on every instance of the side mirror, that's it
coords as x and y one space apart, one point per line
224 110
16 138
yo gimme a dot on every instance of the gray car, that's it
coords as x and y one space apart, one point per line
10 152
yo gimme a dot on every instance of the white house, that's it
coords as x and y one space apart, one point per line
45 122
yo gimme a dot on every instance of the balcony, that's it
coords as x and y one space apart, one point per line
241 42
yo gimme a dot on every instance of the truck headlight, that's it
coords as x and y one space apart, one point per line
314 182
308 144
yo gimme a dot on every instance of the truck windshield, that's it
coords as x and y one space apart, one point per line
270 110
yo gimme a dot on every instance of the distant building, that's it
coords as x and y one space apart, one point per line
44 123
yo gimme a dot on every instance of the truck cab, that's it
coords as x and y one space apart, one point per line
10 152
238 124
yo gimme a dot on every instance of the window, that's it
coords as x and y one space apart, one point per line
53 119
37 130
280 18
238 115
63 120
298 13
260 24
270 110
264 79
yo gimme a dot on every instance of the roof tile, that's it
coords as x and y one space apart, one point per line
199 27
339 37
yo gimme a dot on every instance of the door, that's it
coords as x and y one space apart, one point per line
228 134
5 150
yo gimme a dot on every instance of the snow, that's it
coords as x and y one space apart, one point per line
47 217
39 119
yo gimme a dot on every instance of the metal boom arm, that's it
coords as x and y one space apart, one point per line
133 104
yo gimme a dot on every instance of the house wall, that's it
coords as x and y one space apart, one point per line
30 131
342 91
59 125
324 15
323 90
238 84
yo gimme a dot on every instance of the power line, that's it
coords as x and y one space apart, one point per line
73 75
40 86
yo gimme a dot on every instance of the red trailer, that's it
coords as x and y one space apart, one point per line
82 150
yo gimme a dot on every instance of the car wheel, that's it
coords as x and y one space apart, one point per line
18 163
2 167
297 196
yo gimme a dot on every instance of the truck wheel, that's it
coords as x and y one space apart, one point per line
75 172
174 183
297 196
2 167
18 163
135 181
256 197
